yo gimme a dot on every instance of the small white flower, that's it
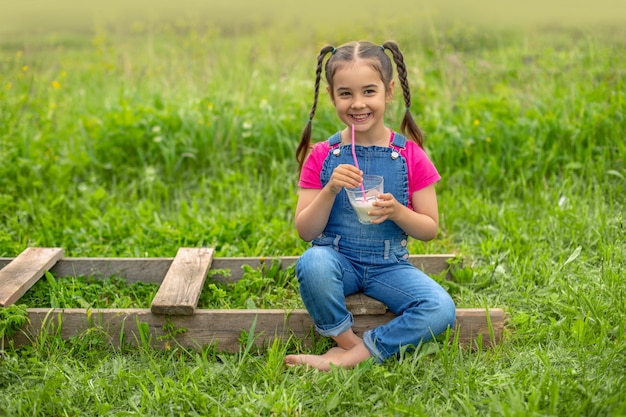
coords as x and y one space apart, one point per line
150 174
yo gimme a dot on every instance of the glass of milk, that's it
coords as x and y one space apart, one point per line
372 186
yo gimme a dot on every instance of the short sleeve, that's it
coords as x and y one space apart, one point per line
422 171
310 175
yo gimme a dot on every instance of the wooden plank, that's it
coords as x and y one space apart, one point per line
488 323
223 328
149 270
235 265
23 272
180 290
360 304
153 270
433 264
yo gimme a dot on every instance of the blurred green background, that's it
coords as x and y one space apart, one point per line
38 15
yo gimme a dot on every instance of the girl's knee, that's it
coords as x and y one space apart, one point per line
317 261
447 311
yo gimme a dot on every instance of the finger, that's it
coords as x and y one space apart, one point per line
349 171
380 202
352 172
352 168
351 181
347 177
378 211
379 219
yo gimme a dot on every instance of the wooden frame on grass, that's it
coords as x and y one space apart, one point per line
173 317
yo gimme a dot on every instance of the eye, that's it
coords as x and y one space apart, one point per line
344 94
369 92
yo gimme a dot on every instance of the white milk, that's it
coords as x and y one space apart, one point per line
362 207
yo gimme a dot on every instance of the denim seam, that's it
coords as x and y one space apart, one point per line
336 242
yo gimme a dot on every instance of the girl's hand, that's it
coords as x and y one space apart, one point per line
344 175
387 207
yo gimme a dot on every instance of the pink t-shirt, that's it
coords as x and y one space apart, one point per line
421 170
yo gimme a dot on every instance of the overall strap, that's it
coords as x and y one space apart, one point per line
398 142
333 143
334 140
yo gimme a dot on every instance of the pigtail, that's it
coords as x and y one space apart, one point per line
408 126
305 140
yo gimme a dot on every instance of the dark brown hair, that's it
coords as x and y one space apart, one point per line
381 63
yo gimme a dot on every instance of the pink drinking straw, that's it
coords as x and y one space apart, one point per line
356 164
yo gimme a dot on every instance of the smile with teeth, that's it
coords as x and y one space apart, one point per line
360 117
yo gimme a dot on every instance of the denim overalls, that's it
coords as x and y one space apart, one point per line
350 257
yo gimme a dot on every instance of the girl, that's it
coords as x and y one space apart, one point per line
347 256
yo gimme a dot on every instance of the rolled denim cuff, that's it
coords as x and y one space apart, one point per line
345 325
368 340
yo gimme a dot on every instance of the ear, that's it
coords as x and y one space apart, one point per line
330 93
389 92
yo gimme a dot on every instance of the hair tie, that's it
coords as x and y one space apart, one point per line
408 108
382 47
334 50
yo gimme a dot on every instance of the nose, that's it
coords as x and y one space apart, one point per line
357 102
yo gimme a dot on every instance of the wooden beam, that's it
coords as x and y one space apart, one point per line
149 270
432 264
177 299
23 272
180 290
223 328
153 270
360 304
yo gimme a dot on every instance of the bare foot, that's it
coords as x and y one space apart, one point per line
347 340
336 356
310 360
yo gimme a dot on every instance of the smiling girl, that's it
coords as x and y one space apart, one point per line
347 256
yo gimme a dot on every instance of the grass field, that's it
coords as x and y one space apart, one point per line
134 137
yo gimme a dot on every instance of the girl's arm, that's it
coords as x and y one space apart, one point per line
314 205
421 223
312 212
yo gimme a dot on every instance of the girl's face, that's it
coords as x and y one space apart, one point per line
360 97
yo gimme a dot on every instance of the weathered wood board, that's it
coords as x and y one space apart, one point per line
180 290
181 280
359 304
153 270
24 271
223 328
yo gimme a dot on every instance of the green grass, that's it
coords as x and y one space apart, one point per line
88 292
136 140
263 287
